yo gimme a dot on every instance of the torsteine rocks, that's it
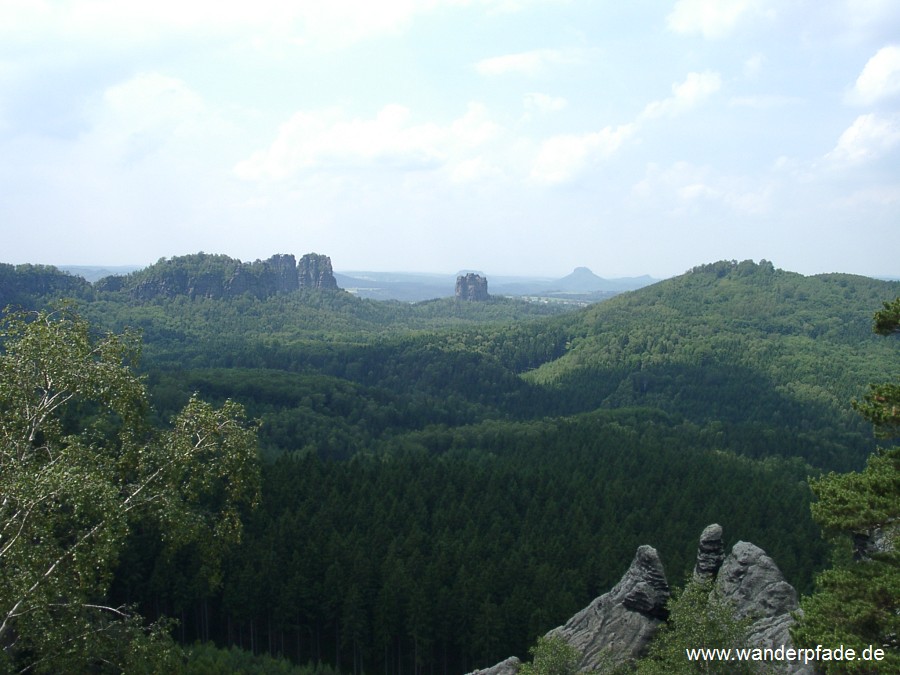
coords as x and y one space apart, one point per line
471 287
619 625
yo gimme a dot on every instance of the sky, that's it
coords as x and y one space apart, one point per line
512 137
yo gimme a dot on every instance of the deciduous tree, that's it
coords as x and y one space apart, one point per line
79 466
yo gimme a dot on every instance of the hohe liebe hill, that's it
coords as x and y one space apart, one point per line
217 466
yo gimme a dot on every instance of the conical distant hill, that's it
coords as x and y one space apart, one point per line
583 280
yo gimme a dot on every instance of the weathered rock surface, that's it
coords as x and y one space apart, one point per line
218 276
508 667
710 552
471 287
751 580
314 271
618 625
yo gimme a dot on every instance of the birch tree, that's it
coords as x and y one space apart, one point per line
79 466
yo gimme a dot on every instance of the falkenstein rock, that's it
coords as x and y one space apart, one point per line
619 625
471 287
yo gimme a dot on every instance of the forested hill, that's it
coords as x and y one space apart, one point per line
445 481
761 352
766 358
24 285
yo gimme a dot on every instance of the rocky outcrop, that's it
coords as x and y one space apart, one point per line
618 625
218 276
710 552
314 271
471 287
752 582
877 541
508 667
284 275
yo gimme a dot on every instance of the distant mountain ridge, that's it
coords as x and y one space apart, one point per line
94 273
582 284
583 280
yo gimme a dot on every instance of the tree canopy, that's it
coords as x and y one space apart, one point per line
80 468
857 602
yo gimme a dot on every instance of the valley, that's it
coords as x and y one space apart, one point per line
444 481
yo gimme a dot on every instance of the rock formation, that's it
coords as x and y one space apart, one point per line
281 274
508 667
753 583
710 552
471 287
619 624
314 271
218 276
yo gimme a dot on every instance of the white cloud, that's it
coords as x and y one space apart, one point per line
330 23
869 137
711 18
543 103
695 88
880 78
475 127
866 21
561 157
532 62
151 99
684 186
326 139
753 66
474 169
877 195
763 102
153 114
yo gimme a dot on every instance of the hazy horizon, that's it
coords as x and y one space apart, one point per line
524 274
511 136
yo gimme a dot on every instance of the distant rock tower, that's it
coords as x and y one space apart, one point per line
314 271
471 287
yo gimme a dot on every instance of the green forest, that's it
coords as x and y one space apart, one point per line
313 482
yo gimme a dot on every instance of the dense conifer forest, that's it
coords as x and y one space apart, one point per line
442 482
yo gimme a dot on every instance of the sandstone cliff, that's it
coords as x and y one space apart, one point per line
219 276
314 271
